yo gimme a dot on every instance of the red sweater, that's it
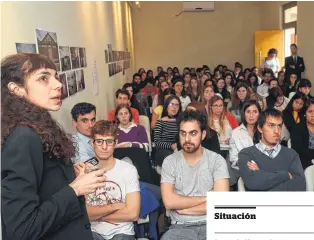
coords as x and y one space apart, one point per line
232 120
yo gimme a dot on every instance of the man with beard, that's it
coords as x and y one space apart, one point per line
186 177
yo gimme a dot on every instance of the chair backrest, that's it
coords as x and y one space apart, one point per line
309 178
144 121
241 187
285 134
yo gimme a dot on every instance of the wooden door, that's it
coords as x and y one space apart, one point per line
265 40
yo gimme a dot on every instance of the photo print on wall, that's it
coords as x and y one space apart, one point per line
80 82
82 57
71 79
75 57
64 92
47 44
65 57
25 48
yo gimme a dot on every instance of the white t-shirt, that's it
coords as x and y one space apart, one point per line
273 64
184 102
120 180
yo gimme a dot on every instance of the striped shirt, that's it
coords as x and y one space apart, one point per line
165 134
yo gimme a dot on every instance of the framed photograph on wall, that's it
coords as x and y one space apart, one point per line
65 57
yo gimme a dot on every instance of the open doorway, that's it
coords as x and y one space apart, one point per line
289 24
290 37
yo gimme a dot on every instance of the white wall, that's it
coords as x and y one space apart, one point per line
92 25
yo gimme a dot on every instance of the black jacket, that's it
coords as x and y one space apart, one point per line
289 120
300 143
36 201
299 66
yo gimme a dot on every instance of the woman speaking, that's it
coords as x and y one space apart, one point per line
41 197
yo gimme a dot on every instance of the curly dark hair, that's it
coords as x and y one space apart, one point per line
17 111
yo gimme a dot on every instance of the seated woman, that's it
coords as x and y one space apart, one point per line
302 137
180 92
129 134
253 81
294 112
276 99
166 129
208 93
226 96
305 87
133 143
157 112
291 86
228 82
158 99
222 122
244 136
241 94
195 90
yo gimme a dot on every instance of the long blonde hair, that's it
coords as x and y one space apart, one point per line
222 119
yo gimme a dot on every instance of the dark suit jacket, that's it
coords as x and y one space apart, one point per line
36 201
299 66
300 143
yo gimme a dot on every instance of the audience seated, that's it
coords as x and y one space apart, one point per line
281 81
157 112
123 97
166 129
158 99
83 119
222 90
291 85
134 103
240 95
228 82
246 135
262 90
207 94
211 141
180 92
305 87
302 137
253 81
268 166
129 135
195 90
187 176
294 112
222 122
187 80
276 99
113 208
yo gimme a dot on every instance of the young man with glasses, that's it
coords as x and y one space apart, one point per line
113 208
187 176
269 166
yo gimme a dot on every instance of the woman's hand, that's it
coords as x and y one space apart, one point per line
79 169
88 183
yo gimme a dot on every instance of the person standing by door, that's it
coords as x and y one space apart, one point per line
294 63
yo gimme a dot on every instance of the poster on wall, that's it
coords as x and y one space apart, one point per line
110 53
75 57
82 57
47 44
106 56
64 92
95 78
71 79
80 82
25 48
65 58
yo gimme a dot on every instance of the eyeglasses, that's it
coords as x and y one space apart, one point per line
178 85
174 105
100 142
217 106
